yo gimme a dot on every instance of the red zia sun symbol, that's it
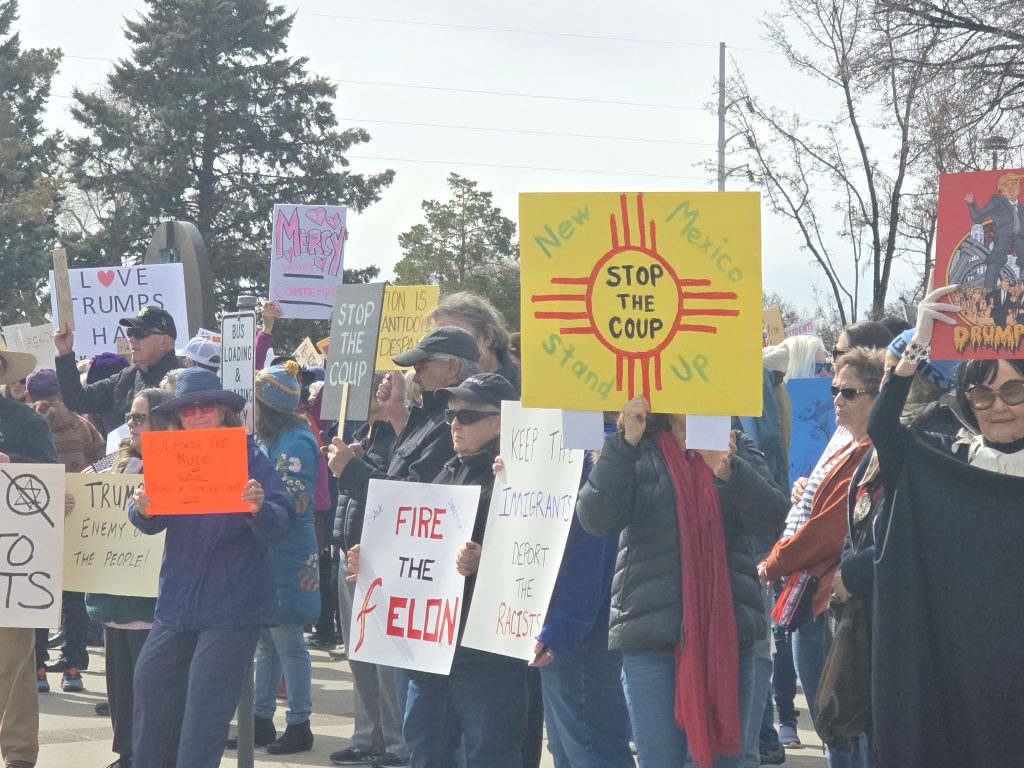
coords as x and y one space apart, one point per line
628 293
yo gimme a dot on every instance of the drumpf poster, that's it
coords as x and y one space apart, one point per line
979 246
654 294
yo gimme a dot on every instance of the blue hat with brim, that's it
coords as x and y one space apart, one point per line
198 385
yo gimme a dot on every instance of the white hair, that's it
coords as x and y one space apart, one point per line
803 353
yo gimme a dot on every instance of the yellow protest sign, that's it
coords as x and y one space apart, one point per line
773 330
404 320
654 294
103 551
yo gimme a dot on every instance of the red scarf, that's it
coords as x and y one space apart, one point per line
707 699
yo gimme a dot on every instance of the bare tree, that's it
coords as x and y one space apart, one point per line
845 198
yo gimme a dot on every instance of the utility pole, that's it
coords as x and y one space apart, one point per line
721 117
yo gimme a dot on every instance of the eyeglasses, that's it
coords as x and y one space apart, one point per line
837 353
138 419
467 417
982 398
849 393
135 333
197 409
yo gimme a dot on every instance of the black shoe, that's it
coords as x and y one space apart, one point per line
296 738
776 756
321 641
56 641
103 709
263 732
352 756
60 665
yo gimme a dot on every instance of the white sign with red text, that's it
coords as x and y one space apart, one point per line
528 524
409 598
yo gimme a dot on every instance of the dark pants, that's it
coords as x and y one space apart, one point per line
327 624
123 647
76 632
533 744
187 686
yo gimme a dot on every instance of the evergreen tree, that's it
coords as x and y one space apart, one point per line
28 187
464 244
209 120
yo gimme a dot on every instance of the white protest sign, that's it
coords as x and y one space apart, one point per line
213 336
12 333
115 437
528 523
307 249
708 433
237 353
31 544
102 296
583 429
103 551
38 340
808 327
408 599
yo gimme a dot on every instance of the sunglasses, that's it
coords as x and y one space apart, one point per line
467 417
849 393
820 368
982 398
138 419
197 409
135 333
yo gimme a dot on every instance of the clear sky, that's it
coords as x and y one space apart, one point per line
627 81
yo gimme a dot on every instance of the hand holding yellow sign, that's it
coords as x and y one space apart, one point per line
654 294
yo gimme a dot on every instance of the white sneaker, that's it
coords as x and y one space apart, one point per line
788 736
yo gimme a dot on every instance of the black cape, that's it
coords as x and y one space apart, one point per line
948 632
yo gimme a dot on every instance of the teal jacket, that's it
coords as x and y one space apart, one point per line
296 457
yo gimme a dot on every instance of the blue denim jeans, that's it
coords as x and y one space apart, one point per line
484 699
753 705
280 649
811 642
584 707
649 682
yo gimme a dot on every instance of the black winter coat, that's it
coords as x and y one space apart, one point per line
630 490
24 434
348 517
108 398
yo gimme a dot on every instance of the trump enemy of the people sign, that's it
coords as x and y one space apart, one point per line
31 544
408 598
979 246
527 526
103 551
654 294
306 254
104 295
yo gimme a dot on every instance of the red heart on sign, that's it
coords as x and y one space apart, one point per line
106 277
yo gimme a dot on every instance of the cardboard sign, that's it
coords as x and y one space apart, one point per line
31 544
196 471
405 320
807 327
101 297
103 551
528 523
61 301
307 249
408 598
307 355
979 246
237 354
653 294
772 331
352 349
38 340
13 332
814 422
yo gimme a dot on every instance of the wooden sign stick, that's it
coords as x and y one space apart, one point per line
62 287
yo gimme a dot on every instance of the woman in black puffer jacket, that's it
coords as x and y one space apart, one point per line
646 485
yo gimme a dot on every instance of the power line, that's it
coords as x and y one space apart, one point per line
544 33
529 132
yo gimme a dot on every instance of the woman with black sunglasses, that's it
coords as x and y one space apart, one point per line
815 544
947 611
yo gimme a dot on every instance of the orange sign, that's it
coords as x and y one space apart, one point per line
196 472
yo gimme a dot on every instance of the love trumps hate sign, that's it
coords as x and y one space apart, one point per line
654 294
103 552
307 249
408 598
31 544
527 526
196 471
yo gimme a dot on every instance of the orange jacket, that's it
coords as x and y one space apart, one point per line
818 544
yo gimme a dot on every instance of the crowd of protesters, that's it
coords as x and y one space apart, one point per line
680 568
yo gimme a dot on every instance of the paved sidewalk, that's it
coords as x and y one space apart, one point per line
73 736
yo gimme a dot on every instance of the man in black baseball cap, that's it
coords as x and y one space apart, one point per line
151 336
446 340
